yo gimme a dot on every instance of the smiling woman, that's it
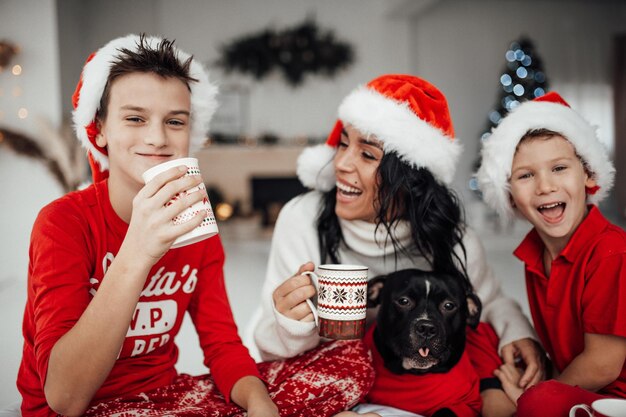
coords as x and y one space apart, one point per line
356 163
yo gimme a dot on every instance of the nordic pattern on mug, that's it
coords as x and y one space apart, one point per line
343 298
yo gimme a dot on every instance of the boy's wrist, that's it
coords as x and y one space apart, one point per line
250 391
133 263
260 404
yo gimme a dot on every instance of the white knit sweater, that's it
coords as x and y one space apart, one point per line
295 242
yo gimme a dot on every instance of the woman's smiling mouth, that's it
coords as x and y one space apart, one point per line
348 190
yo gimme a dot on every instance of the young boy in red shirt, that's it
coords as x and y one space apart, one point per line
545 163
107 294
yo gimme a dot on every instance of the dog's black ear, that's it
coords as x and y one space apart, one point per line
374 290
474 308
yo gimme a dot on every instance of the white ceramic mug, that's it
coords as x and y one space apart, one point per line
208 227
341 300
605 407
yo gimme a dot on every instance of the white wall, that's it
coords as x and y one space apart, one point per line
200 27
460 45
25 184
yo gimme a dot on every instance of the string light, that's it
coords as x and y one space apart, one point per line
540 77
223 211
510 56
495 117
8 51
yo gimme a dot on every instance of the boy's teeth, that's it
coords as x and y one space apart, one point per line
549 206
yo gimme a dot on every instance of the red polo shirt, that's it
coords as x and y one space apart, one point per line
585 292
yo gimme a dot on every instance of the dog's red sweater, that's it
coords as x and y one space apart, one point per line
457 389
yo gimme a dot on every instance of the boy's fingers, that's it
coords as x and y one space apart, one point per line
176 189
189 225
529 373
501 376
156 183
531 376
510 371
182 204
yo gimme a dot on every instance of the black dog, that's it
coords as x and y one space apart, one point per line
420 329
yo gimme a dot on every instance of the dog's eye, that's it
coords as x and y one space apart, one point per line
404 302
449 306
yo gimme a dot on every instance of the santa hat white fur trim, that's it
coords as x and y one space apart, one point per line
400 130
499 149
94 78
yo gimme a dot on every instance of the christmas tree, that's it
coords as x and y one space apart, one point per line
523 79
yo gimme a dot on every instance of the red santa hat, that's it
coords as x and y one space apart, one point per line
86 98
549 112
407 114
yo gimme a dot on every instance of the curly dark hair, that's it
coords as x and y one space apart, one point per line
432 209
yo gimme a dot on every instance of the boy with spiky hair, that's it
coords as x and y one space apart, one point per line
545 163
106 296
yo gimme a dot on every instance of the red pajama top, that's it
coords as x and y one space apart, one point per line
585 292
73 242
457 389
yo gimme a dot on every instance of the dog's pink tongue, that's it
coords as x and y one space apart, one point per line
424 352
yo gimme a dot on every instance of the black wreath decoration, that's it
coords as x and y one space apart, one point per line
296 51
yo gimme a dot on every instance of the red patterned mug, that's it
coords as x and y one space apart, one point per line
341 300
606 407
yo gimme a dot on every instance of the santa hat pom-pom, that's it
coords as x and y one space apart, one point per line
315 167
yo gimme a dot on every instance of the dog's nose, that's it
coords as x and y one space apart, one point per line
425 329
